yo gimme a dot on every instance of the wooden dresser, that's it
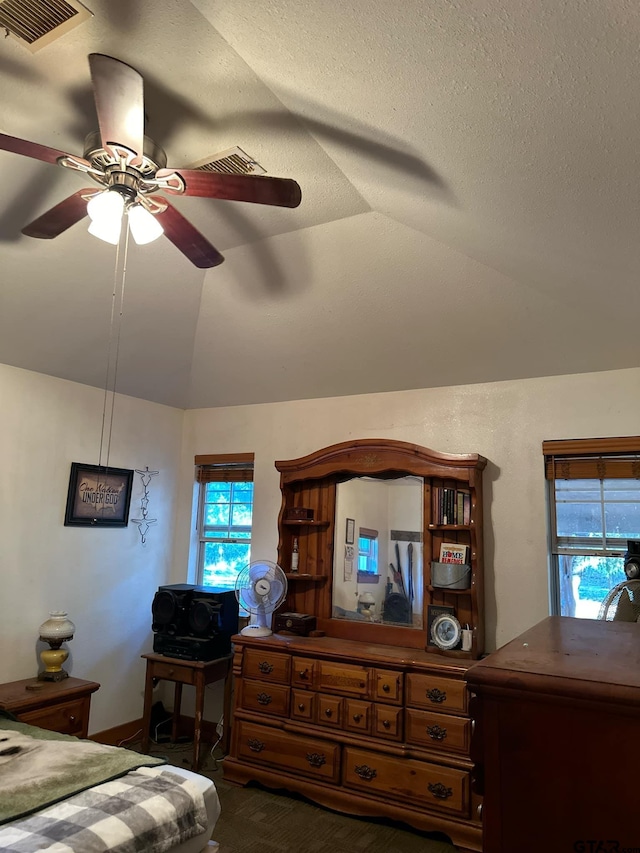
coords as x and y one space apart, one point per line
557 723
366 729
59 706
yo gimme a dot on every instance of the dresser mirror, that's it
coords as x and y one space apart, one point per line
356 514
378 555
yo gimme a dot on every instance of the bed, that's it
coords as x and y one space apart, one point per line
67 795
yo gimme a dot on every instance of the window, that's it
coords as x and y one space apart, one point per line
594 509
225 512
368 551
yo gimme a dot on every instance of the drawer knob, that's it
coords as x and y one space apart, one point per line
72 719
303 674
301 706
386 688
439 791
265 667
255 745
316 759
437 696
171 671
365 772
386 724
357 718
263 698
328 712
436 732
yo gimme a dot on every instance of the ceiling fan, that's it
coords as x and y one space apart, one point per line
131 170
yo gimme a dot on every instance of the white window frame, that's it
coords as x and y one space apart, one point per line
220 468
585 460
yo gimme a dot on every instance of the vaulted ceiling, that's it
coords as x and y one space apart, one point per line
470 182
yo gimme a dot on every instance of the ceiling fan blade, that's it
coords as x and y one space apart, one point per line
62 216
34 149
186 237
118 90
260 189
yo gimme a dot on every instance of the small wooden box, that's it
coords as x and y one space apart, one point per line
299 513
294 623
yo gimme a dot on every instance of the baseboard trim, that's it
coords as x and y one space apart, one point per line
115 736
128 731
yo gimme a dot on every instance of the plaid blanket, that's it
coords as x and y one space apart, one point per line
148 810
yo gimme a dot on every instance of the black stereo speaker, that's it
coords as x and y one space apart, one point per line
193 622
632 560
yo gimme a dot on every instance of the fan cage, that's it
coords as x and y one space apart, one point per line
622 604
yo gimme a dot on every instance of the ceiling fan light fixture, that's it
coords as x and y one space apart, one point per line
106 229
143 225
107 206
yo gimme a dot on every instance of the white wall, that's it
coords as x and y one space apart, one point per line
104 578
504 421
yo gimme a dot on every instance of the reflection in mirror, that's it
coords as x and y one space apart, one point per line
377 564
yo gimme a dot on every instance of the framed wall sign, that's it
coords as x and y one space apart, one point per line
98 496
351 531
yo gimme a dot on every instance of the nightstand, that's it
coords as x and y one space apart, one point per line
60 706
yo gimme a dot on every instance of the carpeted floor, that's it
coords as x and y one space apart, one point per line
254 820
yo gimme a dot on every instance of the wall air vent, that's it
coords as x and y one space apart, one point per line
235 161
37 23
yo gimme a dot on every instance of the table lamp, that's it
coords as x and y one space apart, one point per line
57 629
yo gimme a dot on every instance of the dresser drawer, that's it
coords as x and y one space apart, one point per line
438 731
272 699
443 788
329 711
357 716
436 693
303 705
303 672
266 665
344 678
313 757
388 686
66 718
387 722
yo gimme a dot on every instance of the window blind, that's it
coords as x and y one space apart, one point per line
224 468
592 458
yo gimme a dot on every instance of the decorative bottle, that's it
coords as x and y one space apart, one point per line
294 555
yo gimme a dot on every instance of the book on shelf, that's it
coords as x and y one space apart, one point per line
451 506
453 552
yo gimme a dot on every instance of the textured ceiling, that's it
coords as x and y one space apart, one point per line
469 176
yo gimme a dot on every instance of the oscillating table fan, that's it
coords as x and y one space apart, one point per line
622 604
261 587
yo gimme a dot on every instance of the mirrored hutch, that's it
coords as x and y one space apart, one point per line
368 714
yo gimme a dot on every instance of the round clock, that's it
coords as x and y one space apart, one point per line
446 632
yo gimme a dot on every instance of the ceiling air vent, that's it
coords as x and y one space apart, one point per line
37 23
235 161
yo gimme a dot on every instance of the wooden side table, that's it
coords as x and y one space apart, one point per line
59 706
193 672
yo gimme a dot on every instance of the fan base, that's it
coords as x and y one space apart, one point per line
256 631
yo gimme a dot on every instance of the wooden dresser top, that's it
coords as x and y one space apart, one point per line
580 657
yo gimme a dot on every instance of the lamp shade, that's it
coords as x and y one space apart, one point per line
105 211
143 225
58 627
108 205
107 230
